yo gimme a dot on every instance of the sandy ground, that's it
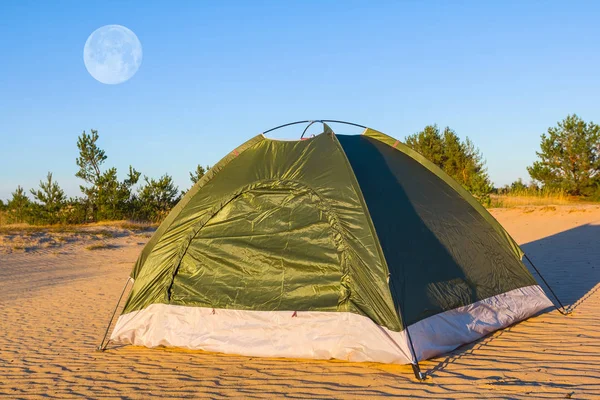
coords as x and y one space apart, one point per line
56 300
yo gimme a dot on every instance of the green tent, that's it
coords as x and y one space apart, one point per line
352 247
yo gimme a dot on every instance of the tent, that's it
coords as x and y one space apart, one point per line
352 247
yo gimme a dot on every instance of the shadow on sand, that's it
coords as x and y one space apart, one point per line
570 263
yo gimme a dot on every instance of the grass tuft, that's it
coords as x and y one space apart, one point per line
100 232
528 197
137 226
100 246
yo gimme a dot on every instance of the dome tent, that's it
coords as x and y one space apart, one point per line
352 247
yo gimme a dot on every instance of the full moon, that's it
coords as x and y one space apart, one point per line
112 54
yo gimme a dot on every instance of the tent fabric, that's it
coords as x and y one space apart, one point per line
323 335
323 251
358 238
441 252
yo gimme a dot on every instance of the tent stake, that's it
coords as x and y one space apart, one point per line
417 370
415 366
562 309
103 345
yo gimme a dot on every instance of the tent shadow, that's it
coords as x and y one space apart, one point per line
570 263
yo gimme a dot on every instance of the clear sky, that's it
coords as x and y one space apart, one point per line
216 73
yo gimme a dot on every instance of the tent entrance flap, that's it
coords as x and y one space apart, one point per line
226 264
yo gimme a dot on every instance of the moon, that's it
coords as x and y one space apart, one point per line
112 54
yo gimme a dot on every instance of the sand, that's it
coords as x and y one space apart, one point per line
56 300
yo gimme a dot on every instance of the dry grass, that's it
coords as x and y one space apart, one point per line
137 226
527 197
574 210
29 238
124 224
93 228
17 229
100 246
509 201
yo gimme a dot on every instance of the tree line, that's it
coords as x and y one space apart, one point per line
104 197
568 160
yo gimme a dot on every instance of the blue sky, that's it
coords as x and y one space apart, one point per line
216 73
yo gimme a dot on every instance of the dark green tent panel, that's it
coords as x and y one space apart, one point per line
331 247
442 254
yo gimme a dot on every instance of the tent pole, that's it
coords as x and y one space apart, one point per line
103 345
335 121
562 309
415 366
310 122
284 125
308 126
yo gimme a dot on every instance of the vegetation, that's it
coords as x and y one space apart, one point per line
19 207
520 194
569 158
51 200
104 196
461 160
104 229
567 169
99 246
198 173
156 198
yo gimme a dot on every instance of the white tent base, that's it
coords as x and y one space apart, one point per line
323 335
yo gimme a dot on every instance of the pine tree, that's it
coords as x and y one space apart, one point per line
429 143
91 157
569 157
157 197
461 160
518 186
113 197
198 173
52 199
18 206
107 197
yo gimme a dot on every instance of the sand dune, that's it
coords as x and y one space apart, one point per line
55 304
